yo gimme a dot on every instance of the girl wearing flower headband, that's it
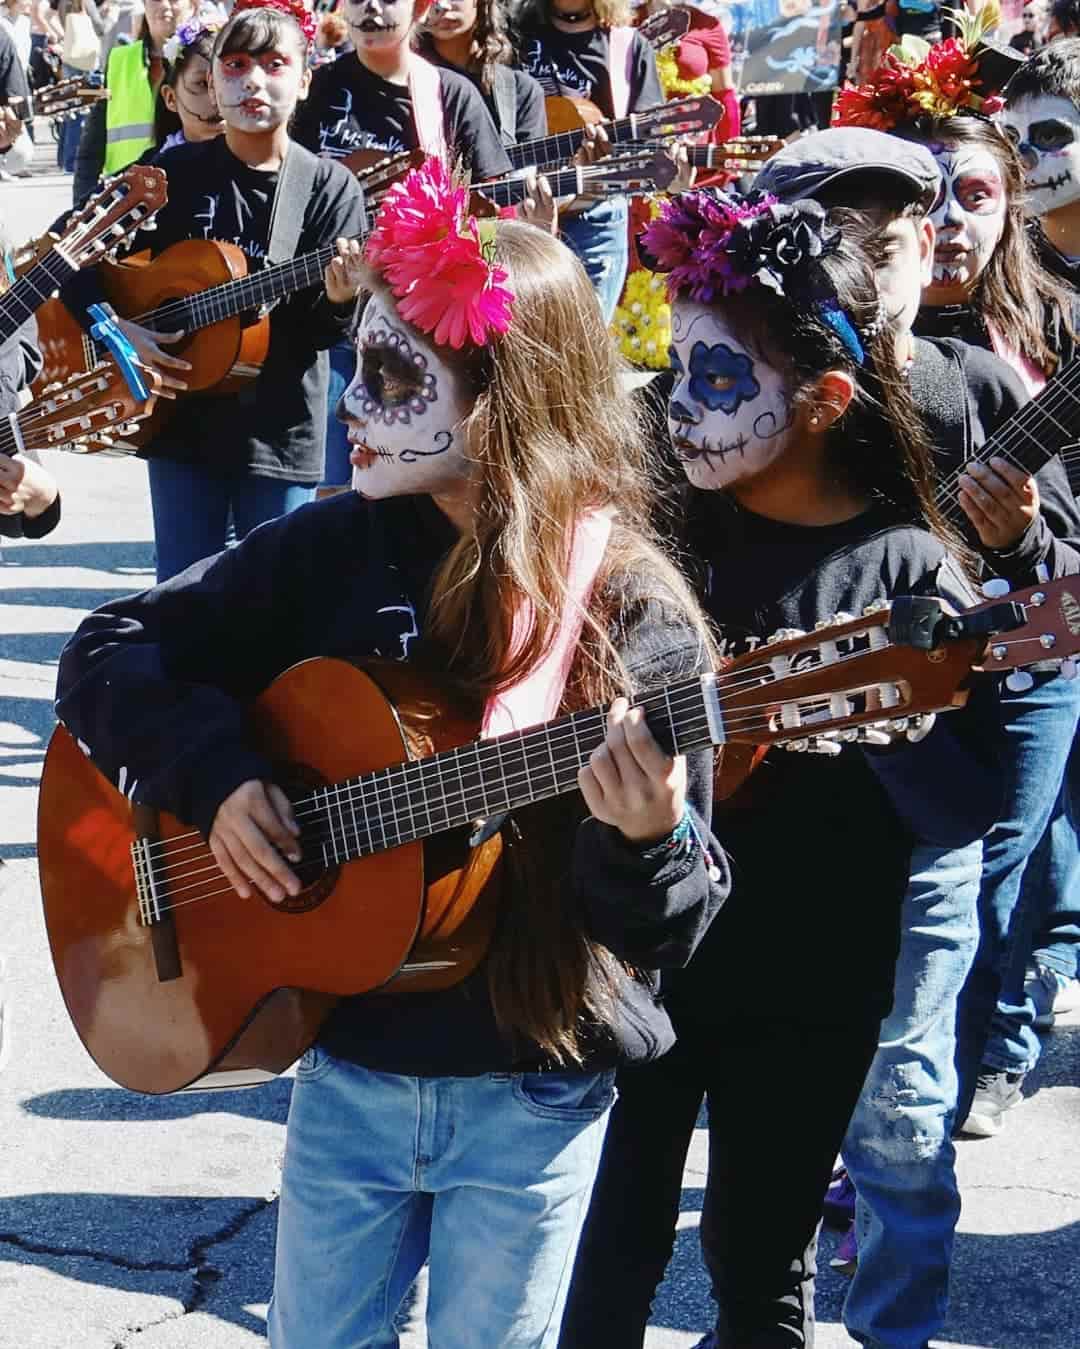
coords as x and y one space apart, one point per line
491 440
186 110
254 454
811 496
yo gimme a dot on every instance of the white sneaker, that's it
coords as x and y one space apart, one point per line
1052 993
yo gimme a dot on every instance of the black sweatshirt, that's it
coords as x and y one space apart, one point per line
349 108
961 422
576 64
157 685
820 848
531 116
275 426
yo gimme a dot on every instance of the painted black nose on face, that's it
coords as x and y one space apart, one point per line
1029 156
679 412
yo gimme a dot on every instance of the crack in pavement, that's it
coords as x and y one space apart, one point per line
1029 1189
203 1274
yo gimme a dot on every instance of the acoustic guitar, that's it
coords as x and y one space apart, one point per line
202 288
171 979
125 204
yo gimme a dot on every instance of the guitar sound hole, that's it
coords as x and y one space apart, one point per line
317 878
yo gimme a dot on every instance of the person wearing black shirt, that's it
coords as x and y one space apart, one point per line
374 99
571 47
802 507
470 36
256 453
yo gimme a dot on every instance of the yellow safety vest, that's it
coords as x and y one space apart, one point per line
129 113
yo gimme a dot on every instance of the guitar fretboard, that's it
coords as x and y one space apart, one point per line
415 800
1032 436
31 291
562 145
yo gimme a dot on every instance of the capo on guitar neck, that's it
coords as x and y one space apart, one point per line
921 622
123 353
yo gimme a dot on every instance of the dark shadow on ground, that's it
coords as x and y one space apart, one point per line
115 1105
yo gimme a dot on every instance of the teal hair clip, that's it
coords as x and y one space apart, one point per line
842 326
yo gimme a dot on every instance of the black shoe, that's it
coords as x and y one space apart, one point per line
995 1092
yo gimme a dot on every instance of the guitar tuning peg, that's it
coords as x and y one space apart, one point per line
797 746
1068 668
899 723
995 588
786 634
875 608
822 744
1042 573
1019 681
842 617
874 735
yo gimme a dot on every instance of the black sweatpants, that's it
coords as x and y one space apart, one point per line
780 1096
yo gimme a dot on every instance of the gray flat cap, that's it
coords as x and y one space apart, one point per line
821 159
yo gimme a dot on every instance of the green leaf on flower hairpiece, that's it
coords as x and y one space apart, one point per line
486 230
974 27
910 50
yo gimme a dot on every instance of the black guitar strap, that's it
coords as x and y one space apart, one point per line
505 92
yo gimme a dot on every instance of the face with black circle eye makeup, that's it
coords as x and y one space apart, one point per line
730 414
1046 132
404 411
968 215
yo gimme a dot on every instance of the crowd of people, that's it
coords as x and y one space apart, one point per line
849 332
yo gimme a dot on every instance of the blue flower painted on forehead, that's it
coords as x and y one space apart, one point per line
842 326
721 378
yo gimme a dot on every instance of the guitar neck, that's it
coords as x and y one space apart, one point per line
563 183
31 291
420 798
1032 436
562 145
245 294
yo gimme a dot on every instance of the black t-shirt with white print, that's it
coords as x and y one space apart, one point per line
349 108
576 64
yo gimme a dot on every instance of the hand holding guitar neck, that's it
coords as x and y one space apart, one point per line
344 274
10 128
539 207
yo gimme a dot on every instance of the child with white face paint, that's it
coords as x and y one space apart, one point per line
1043 121
501 543
809 495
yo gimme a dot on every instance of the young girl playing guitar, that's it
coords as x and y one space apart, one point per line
491 439
257 453
812 494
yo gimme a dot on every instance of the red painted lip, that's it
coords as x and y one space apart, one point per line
361 457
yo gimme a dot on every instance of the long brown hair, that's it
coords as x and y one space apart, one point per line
1014 292
491 45
552 432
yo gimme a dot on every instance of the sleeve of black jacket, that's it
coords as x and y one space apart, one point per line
653 914
155 687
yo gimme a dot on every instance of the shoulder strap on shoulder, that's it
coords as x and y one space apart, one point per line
505 92
620 55
295 184
425 93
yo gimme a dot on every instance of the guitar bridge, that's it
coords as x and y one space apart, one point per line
155 914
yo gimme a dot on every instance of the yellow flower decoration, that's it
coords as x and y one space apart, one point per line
671 82
642 322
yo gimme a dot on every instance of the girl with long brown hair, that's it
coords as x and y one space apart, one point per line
496 538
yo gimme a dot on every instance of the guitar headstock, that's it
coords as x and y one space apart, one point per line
68 98
678 117
1051 631
125 204
377 172
86 412
839 677
666 25
754 149
651 171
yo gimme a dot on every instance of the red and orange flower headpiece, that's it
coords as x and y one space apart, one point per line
295 9
431 254
916 80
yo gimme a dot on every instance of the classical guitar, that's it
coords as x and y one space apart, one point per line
89 414
202 288
124 204
67 98
169 976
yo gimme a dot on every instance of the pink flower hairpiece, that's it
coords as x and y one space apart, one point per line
295 9
429 250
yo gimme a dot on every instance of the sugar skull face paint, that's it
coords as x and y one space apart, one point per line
379 25
730 414
1046 132
968 216
404 410
258 93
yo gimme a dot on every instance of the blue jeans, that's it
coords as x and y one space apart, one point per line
1057 936
487 1177
338 470
899 1149
69 130
996 1017
193 508
599 236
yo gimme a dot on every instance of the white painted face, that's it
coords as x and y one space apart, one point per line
379 25
404 410
1046 131
730 414
968 216
257 93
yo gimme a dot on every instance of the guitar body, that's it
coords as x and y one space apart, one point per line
224 356
567 113
223 990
